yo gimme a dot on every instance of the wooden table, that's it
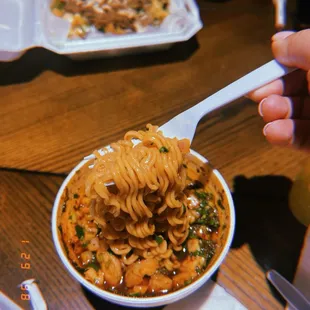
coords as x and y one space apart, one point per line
54 111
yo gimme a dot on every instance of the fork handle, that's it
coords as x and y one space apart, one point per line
253 80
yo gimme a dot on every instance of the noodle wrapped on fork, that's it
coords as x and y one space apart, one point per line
148 176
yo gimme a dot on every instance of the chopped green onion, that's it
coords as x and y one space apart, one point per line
163 149
59 5
192 235
187 282
214 222
76 196
85 244
203 203
79 231
201 195
93 265
159 239
198 270
196 253
207 250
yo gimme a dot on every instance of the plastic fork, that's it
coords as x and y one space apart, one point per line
184 125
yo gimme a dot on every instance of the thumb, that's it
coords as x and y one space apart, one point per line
292 49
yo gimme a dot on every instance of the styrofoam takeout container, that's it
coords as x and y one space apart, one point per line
142 302
25 24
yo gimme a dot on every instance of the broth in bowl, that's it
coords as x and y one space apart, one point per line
159 227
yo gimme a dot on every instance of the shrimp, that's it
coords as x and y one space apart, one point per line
132 278
111 267
148 266
93 244
159 282
135 272
188 270
190 264
193 245
181 279
141 288
93 276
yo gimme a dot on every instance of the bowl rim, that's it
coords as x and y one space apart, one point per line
144 301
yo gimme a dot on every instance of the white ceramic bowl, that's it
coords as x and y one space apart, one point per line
148 301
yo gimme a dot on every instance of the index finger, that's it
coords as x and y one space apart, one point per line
293 50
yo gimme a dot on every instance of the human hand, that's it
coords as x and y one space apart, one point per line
285 103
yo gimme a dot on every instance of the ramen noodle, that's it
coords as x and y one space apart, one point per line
143 219
112 16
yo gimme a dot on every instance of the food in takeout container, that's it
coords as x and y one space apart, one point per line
146 224
32 23
111 16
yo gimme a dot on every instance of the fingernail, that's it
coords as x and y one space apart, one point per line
260 107
281 35
265 129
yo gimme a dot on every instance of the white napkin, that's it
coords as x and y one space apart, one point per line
209 296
